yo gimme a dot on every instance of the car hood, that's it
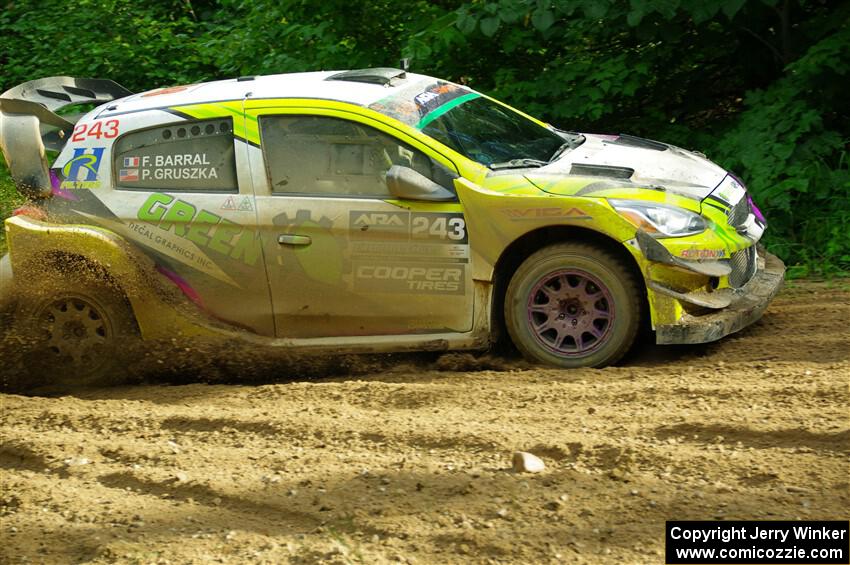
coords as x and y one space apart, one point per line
640 161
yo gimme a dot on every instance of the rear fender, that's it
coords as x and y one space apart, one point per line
161 311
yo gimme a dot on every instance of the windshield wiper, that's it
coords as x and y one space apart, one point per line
560 151
517 164
577 139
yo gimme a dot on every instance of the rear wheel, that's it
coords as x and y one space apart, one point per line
573 305
75 330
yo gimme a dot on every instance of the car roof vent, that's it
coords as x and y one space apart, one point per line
588 170
381 75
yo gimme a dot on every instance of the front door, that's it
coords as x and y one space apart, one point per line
345 258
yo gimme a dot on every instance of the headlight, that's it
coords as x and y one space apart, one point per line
660 220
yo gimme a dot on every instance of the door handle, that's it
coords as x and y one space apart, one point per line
291 239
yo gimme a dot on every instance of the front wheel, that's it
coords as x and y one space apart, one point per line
573 305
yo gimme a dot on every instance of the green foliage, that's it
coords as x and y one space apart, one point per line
757 85
139 46
799 167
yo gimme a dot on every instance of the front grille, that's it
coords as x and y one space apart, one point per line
739 212
743 265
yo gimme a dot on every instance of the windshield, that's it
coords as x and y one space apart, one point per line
490 133
474 126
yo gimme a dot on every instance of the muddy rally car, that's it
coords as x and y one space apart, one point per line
360 211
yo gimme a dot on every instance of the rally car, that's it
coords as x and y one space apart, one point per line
361 211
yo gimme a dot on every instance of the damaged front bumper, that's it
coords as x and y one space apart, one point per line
742 307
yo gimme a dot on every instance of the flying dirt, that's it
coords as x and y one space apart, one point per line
410 461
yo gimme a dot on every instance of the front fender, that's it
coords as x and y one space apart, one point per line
161 311
497 219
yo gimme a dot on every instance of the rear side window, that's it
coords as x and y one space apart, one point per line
189 156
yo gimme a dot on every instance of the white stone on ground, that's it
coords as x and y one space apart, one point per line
525 462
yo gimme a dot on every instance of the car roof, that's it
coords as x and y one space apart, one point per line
292 85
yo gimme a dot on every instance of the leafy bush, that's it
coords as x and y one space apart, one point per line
799 167
758 85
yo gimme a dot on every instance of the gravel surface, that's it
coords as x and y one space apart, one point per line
413 464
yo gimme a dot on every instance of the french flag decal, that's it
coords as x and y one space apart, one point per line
131 161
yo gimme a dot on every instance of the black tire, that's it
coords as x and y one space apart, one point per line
573 305
75 329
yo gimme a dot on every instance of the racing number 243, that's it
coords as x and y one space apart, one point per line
96 130
441 227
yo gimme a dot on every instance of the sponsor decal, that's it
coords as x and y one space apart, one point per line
167 243
229 204
97 130
703 253
380 220
246 204
186 253
80 171
203 228
401 278
431 247
184 166
423 99
437 95
444 227
439 252
423 102
731 191
55 185
516 214
450 227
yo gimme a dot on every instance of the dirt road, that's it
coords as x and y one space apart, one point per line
412 464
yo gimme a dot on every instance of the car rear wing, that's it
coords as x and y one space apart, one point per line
29 124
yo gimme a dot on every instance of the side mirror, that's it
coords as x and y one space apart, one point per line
407 184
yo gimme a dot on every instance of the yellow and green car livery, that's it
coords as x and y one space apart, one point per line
373 210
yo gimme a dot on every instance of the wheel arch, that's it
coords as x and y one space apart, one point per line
62 261
530 242
36 247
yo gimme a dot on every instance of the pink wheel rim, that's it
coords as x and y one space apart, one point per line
570 313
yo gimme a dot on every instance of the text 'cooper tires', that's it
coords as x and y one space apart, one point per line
75 330
573 305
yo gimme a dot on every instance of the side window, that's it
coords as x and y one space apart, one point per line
335 157
189 156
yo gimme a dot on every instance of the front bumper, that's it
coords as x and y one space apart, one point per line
747 306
